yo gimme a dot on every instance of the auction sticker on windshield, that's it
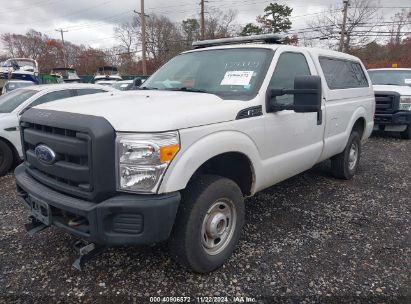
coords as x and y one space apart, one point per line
241 78
407 81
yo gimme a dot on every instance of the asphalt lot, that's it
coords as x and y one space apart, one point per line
311 238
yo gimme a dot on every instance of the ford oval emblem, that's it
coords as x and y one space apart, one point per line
45 154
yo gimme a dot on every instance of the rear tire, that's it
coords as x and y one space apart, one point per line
407 133
208 223
345 164
6 158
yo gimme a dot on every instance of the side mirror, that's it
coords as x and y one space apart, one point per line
137 82
307 96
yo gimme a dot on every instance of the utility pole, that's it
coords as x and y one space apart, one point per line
64 47
344 23
202 20
143 36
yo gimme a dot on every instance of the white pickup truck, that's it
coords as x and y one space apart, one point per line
175 159
392 88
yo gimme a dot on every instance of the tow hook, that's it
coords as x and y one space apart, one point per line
86 252
34 226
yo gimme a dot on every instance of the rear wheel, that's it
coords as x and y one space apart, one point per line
407 133
208 223
6 158
345 164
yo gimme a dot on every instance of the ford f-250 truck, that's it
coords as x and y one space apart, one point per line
392 89
174 160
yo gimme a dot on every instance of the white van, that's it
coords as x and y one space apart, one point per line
176 159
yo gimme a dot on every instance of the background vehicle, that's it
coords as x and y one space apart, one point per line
15 103
65 75
11 85
107 83
127 85
19 68
393 97
175 159
107 75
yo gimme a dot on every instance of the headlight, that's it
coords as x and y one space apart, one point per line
405 103
142 159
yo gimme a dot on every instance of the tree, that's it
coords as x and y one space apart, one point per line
164 40
127 34
88 60
276 18
400 21
219 24
251 29
191 30
362 19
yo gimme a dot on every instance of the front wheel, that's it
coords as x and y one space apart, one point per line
407 133
345 164
208 223
6 158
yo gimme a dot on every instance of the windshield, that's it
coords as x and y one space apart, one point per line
122 86
391 77
10 101
238 72
10 86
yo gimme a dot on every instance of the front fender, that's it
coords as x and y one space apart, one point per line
191 157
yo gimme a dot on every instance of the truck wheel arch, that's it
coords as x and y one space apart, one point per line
359 126
358 122
16 157
235 157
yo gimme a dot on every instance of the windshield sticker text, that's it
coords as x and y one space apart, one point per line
240 78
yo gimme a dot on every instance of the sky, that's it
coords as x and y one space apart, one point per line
91 22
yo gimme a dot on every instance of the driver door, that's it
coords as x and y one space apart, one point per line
293 141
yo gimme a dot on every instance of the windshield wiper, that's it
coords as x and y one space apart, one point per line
147 88
185 89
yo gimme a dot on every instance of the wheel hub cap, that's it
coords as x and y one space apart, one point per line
353 156
218 226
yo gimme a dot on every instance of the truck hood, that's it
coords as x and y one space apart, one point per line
402 90
152 111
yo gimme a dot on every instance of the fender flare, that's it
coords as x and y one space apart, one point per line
187 162
359 113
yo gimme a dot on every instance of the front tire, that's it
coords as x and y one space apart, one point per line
407 133
6 158
208 223
345 164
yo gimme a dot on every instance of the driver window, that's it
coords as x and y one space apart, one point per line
51 97
289 65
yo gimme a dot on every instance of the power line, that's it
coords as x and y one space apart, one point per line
35 5
37 21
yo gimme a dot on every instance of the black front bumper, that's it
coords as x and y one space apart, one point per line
119 220
398 118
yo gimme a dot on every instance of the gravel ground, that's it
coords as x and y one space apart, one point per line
309 239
